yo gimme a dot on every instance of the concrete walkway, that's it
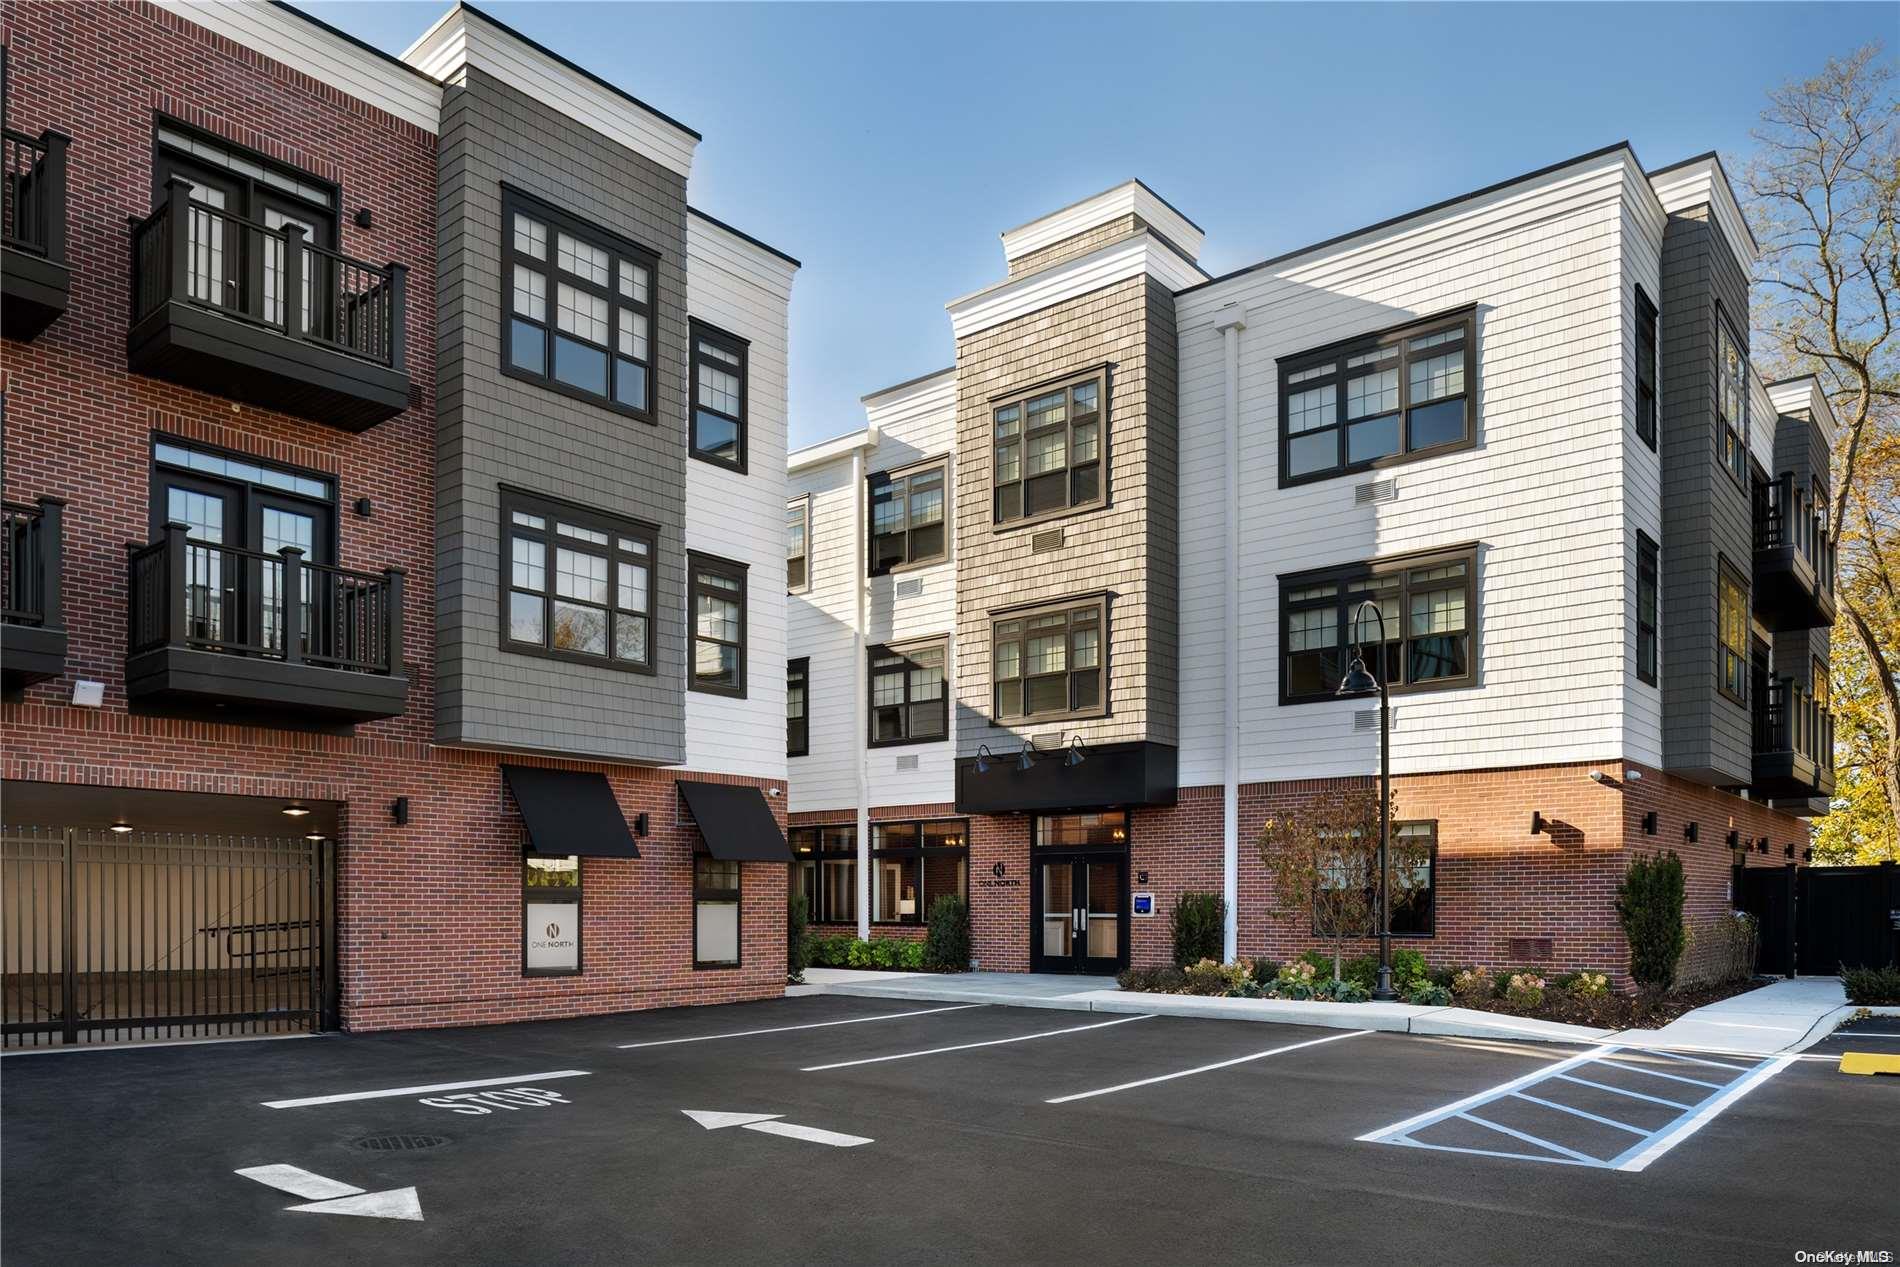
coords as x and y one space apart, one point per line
1780 1017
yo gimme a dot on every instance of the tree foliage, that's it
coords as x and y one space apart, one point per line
1822 191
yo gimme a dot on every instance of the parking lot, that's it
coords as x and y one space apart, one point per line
878 1131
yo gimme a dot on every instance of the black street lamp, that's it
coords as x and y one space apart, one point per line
1359 681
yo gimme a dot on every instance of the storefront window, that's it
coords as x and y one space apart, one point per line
825 871
550 916
913 863
1072 831
715 912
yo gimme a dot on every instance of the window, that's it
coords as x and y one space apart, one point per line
797 695
580 584
715 912
1049 451
1645 369
908 700
798 545
1379 398
550 916
1646 577
716 598
1731 621
907 519
1048 663
1817 676
825 872
915 863
1073 831
579 305
1732 403
1417 917
719 397
1428 604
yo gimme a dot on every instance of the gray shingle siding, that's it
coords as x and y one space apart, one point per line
494 431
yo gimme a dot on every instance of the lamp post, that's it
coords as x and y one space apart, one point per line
1358 682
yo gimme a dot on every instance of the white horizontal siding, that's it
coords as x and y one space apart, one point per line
1641 233
1118 261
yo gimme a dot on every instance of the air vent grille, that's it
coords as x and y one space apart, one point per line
1046 540
906 763
1367 719
910 588
397 1143
1375 491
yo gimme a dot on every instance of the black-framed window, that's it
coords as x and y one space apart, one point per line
715 912
581 584
909 702
716 601
550 916
719 398
798 545
579 307
1108 829
1416 918
1429 605
1732 401
1048 450
1731 625
825 871
1380 398
907 518
1648 570
913 864
1645 369
1049 662
797 704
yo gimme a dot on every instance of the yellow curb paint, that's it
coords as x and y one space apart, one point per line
1869 1062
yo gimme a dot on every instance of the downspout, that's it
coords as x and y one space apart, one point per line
1232 320
860 582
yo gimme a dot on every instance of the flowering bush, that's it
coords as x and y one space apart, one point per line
1428 994
1211 977
1295 981
1589 985
1342 992
1474 983
1525 990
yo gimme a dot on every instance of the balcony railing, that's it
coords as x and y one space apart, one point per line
236 602
1794 560
33 198
32 625
1794 742
188 252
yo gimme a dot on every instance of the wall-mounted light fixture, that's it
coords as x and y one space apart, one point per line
296 809
1077 752
399 810
121 827
364 220
1807 855
365 508
1596 776
983 758
313 836
1690 832
1649 823
1634 776
1026 759
640 823
1761 846
1538 822
1790 851
1734 839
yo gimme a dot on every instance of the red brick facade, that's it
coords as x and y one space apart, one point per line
428 914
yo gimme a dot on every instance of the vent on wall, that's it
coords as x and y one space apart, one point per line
911 588
1046 540
1368 719
906 763
1375 491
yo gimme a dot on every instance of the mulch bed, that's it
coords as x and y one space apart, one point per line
1618 1011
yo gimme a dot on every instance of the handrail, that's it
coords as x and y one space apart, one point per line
31 549
33 192
1781 519
1791 718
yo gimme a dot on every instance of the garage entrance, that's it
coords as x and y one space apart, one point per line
115 935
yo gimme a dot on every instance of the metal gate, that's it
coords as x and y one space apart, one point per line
135 936
1848 917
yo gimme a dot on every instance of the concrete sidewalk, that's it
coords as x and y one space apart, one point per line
1780 1017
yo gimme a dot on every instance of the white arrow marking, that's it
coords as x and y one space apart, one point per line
397 1203
767 1124
299 1182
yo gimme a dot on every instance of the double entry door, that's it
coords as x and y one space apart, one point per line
1080 905
236 268
233 599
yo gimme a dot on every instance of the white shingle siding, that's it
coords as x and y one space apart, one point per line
1641 235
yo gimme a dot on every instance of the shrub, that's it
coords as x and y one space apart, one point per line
1525 990
1199 924
1362 970
1249 988
1473 984
1152 980
910 955
1342 991
1319 960
1720 951
797 951
1585 985
1649 906
1264 969
947 948
1408 969
1872 987
1426 994
1211 977
1295 981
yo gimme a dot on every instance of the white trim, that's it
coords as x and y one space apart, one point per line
1131 257
1805 393
831 450
1701 182
904 391
291 39
1129 197
461 39
706 238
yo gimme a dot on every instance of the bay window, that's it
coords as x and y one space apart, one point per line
580 584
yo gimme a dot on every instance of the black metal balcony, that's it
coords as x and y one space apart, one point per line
1794 744
32 628
227 305
1794 561
210 630
33 268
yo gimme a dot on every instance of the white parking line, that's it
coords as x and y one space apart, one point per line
1219 1064
994 1042
529 1078
786 1029
1702 1116
1524 1080
299 1182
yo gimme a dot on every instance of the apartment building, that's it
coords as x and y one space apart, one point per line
1069 618
394 466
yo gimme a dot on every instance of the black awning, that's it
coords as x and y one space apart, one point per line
736 822
570 812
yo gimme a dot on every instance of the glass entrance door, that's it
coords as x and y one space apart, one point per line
1081 913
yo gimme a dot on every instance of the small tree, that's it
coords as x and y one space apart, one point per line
947 944
1199 925
1649 904
797 951
1324 860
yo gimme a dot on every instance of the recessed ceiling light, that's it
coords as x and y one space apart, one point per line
296 811
314 836
121 827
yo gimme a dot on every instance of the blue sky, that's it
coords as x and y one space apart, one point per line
886 145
